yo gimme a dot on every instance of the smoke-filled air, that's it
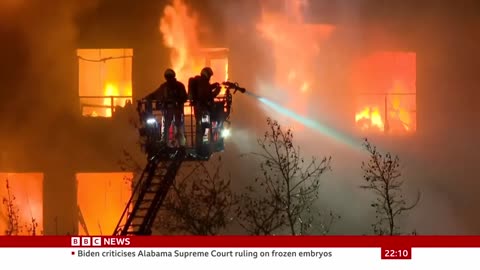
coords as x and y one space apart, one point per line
261 117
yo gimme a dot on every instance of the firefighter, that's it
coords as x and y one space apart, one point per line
202 94
172 96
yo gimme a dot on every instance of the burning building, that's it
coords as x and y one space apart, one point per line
86 192
363 74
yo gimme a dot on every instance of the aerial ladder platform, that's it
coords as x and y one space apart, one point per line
149 193
164 162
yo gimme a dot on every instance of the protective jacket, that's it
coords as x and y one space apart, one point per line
201 92
170 93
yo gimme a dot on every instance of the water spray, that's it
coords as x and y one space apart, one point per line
315 125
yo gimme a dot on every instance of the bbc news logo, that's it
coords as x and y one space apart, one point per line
86 241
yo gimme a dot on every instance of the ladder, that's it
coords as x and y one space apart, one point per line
150 191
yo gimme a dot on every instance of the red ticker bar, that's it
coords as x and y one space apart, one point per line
387 242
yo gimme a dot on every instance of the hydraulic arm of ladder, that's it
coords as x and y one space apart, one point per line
149 193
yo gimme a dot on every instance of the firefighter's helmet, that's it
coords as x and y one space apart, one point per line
207 72
169 74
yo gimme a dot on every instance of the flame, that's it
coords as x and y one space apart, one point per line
179 27
179 30
292 38
398 108
112 90
390 78
401 114
108 78
370 117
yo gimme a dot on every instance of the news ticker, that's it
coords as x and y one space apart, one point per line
208 253
384 242
418 251
99 241
239 252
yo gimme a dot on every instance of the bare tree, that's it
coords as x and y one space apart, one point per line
32 227
327 221
259 215
15 225
13 217
383 176
199 203
285 193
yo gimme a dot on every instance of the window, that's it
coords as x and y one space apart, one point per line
25 196
102 197
105 80
385 88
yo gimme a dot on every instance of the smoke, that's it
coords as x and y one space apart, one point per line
37 69
37 78
306 76
290 81
273 54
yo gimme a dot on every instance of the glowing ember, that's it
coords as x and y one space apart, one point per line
385 82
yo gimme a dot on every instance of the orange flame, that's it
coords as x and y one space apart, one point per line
370 117
179 30
112 90
104 74
386 79
180 34
291 38
179 27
